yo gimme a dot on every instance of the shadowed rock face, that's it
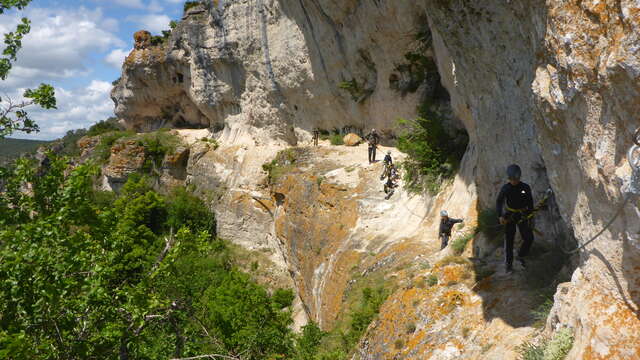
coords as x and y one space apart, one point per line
551 86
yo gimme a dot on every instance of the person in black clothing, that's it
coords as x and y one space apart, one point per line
519 203
446 224
390 185
388 165
373 138
316 136
387 158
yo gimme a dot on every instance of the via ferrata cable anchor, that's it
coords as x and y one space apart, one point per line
633 156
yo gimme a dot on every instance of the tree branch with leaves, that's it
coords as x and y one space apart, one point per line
13 116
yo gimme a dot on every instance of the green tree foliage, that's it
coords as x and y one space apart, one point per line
13 116
308 344
433 154
104 126
191 4
87 275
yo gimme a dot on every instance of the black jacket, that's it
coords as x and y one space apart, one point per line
373 138
387 159
446 225
516 197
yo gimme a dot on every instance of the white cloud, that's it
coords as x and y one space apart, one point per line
134 4
59 45
155 6
78 108
116 57
152 23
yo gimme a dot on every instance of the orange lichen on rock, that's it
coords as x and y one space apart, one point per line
127 156
142 39
307 223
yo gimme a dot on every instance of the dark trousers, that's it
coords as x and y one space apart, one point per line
372 153
444 240
510 233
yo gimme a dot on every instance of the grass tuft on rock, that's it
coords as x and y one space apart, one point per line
555 349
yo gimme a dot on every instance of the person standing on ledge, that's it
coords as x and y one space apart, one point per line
446 224
316 136
373 138
519 203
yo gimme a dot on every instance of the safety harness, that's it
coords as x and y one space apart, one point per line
531 213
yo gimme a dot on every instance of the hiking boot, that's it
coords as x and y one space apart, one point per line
521 261
509 270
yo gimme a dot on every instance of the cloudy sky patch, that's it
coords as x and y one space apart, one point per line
78 47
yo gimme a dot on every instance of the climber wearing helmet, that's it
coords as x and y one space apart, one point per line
388 164
519 203
446 224
373 138
387 158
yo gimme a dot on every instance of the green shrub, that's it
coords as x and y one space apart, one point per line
281 164
399 344
158 40
113 263
336 139
541 313
326 134
433 154
372 299
103 149
69 142
458 245
432 280
158 144
555 349
212 142
560 345
529 351
191 4
357 92
411 327
186 209
308 343
453 260
104 126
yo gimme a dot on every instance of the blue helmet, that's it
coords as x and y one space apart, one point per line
514 172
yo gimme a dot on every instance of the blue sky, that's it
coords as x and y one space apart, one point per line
78 47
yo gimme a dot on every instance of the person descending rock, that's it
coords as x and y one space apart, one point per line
387 158
446 224
519 203
392 178
316 136
373 138
388 163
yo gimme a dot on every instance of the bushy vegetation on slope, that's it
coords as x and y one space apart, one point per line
91 275
433 154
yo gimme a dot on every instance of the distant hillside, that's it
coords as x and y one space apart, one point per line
13 148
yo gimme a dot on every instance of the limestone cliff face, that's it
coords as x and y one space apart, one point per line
267 69
550 85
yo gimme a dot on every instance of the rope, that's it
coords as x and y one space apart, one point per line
615 216
633 189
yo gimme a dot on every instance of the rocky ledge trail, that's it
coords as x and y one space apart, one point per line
320 215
